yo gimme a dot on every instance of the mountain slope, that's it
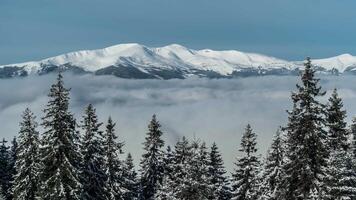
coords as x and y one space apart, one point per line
172 61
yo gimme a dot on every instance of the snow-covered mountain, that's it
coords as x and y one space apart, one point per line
173 61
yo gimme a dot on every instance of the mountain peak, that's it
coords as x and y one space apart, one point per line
175 58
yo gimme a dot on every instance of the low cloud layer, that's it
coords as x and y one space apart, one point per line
210 110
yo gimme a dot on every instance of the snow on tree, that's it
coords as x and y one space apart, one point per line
273 169
306 140
353 137
113 165
174 170
93 166
152 160
5 175
245 175
340 179
26 181
217 175
192 182
59 152
165 191
131 184
338 135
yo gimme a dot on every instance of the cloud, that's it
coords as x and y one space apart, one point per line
211 110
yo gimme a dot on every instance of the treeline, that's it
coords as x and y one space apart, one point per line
311 157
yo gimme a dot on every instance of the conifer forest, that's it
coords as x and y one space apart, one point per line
60 157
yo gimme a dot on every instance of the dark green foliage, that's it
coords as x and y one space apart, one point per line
152 160
335 121
5 175
306 140
114 168
27 163
245 175
92 172
59 150
273 169
131 184
217 175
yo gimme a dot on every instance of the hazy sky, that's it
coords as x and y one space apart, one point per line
290 29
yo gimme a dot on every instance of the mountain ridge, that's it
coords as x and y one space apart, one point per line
133 60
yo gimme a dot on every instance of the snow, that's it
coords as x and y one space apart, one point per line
177 56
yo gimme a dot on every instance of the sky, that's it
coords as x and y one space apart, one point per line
288 29
202 109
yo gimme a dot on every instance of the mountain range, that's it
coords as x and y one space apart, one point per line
137 61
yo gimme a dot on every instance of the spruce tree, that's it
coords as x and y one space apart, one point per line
245 176
273 169
172 186
194 184
340 179
130 177
5 175
165 191
113 165
93 167
26 181
13 158
217 175
152 160
59 150
306 140
337 133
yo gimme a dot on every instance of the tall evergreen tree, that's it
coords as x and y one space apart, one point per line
93 166
173 183
5 175
13 158
338 135
217 175
340 179
26 181
152 160
192 181
165 191
245 176
59 150
114 166
130 176
273 169
306 140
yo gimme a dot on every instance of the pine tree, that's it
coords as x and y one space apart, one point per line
93 166
194 184
340 179
335 121
273 169
11 169
27 163
130 177
306 140
175 171
152 160
5 175
113 165
165 191
353 137
59 150
217 175
245 176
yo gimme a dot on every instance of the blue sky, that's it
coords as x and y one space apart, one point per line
289 29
